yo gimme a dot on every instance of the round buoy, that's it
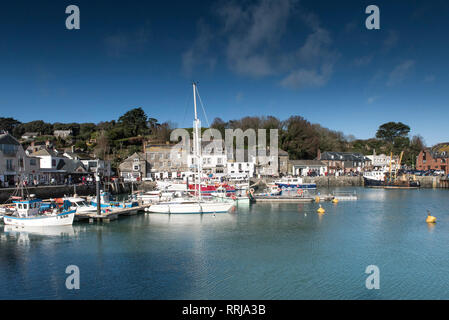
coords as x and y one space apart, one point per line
335 200
317 199
430 219
321 210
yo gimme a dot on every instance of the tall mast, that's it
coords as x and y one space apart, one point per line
197 143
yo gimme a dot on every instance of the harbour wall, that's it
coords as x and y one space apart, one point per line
345 181
47 192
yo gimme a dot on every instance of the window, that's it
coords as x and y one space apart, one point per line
33 162
136 167
53 162
136 160
9 165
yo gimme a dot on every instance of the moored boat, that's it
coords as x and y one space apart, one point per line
294 183
34 213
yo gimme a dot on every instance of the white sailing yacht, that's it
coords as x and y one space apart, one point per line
197 204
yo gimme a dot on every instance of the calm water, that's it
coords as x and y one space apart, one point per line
267 251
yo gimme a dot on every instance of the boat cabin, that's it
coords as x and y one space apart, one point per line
27 208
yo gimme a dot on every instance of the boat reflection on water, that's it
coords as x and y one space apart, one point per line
59 231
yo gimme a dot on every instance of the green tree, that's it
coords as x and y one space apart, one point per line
134 122
8 124
392 130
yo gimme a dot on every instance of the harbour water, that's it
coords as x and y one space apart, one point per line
266 251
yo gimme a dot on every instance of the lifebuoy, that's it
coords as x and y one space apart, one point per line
300 192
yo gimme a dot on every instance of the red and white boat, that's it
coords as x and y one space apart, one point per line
209 189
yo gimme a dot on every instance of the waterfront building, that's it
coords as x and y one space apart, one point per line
15 162
271 164
91 164
165 160
235 169
304 168
382 162
135 167
434 158
214 158
343 162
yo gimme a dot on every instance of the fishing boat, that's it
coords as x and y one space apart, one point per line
374 178
106 202
391 179
197 205
34 213
294 183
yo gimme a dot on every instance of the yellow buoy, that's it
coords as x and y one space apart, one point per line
335 200
321 210
430 219
317 199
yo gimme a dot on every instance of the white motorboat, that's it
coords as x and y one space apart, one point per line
186 207
294 183
33 213
81 205
171 186
157 196
238 199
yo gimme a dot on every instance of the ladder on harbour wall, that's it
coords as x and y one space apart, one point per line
444 183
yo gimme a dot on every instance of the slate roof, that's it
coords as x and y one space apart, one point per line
307 163
70 166
440 150
6 138
44 152
343 156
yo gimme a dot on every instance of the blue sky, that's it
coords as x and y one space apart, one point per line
267 57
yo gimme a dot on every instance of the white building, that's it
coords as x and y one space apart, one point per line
14 162
304 168
62 133
239 168
382 162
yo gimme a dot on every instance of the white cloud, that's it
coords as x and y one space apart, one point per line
372 99
199 53
251 35
429 78
391 40
400 72
308 78
363 61
121 42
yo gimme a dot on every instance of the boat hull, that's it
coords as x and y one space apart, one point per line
62 219
391 185
191 208
296 186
